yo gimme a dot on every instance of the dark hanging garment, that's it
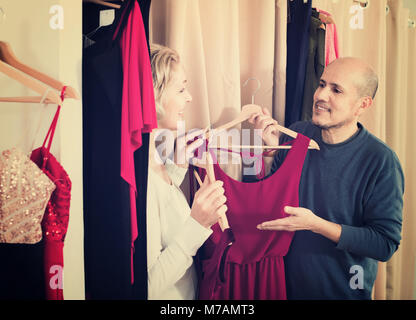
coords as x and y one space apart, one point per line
315 64
106 194
297 55
107 206
21 271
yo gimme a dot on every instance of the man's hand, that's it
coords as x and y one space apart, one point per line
267 124
303 219
299 219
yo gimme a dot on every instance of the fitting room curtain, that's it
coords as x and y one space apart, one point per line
222 43
400 113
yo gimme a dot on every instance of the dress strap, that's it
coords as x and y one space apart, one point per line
51 131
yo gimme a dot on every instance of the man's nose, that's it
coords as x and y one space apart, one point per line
321 94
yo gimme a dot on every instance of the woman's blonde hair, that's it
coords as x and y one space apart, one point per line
163 61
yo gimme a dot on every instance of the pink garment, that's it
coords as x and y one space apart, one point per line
331 41
244 263
138 112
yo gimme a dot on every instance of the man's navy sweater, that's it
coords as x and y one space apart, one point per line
358 184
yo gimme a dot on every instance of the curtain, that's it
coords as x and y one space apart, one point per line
380 35
410 201
222 43
400 112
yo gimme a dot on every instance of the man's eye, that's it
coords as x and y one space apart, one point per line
182 90
337 91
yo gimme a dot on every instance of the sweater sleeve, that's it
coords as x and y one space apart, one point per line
166 265
379 237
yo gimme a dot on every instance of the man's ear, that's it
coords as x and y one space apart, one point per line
364 104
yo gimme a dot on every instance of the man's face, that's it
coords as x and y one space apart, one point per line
336 101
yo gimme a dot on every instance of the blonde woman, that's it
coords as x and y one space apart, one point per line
174 230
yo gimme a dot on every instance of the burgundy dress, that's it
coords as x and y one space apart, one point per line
243 262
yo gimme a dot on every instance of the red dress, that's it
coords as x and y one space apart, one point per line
252 267
56 218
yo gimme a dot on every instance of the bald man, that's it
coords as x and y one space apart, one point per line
350 193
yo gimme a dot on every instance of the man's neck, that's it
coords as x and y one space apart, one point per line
338 135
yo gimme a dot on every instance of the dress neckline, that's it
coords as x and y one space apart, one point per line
295 145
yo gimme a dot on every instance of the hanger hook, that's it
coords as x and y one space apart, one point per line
258 87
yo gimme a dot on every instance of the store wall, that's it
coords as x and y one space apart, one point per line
34 31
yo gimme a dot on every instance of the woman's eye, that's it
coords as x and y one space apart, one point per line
321 85
182 90
337 91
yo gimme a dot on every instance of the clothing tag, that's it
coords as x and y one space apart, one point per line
107 17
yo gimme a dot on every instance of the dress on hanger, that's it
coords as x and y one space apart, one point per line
56 218
252 266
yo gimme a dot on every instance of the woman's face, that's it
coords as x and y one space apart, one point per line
176 96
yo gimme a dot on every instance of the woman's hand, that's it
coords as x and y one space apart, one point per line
209 203
184 151
267 124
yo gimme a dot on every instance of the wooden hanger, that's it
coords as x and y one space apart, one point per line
246 112
31 99
24 79
7 56
104 3
209 167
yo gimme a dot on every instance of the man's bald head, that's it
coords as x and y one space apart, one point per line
366 80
